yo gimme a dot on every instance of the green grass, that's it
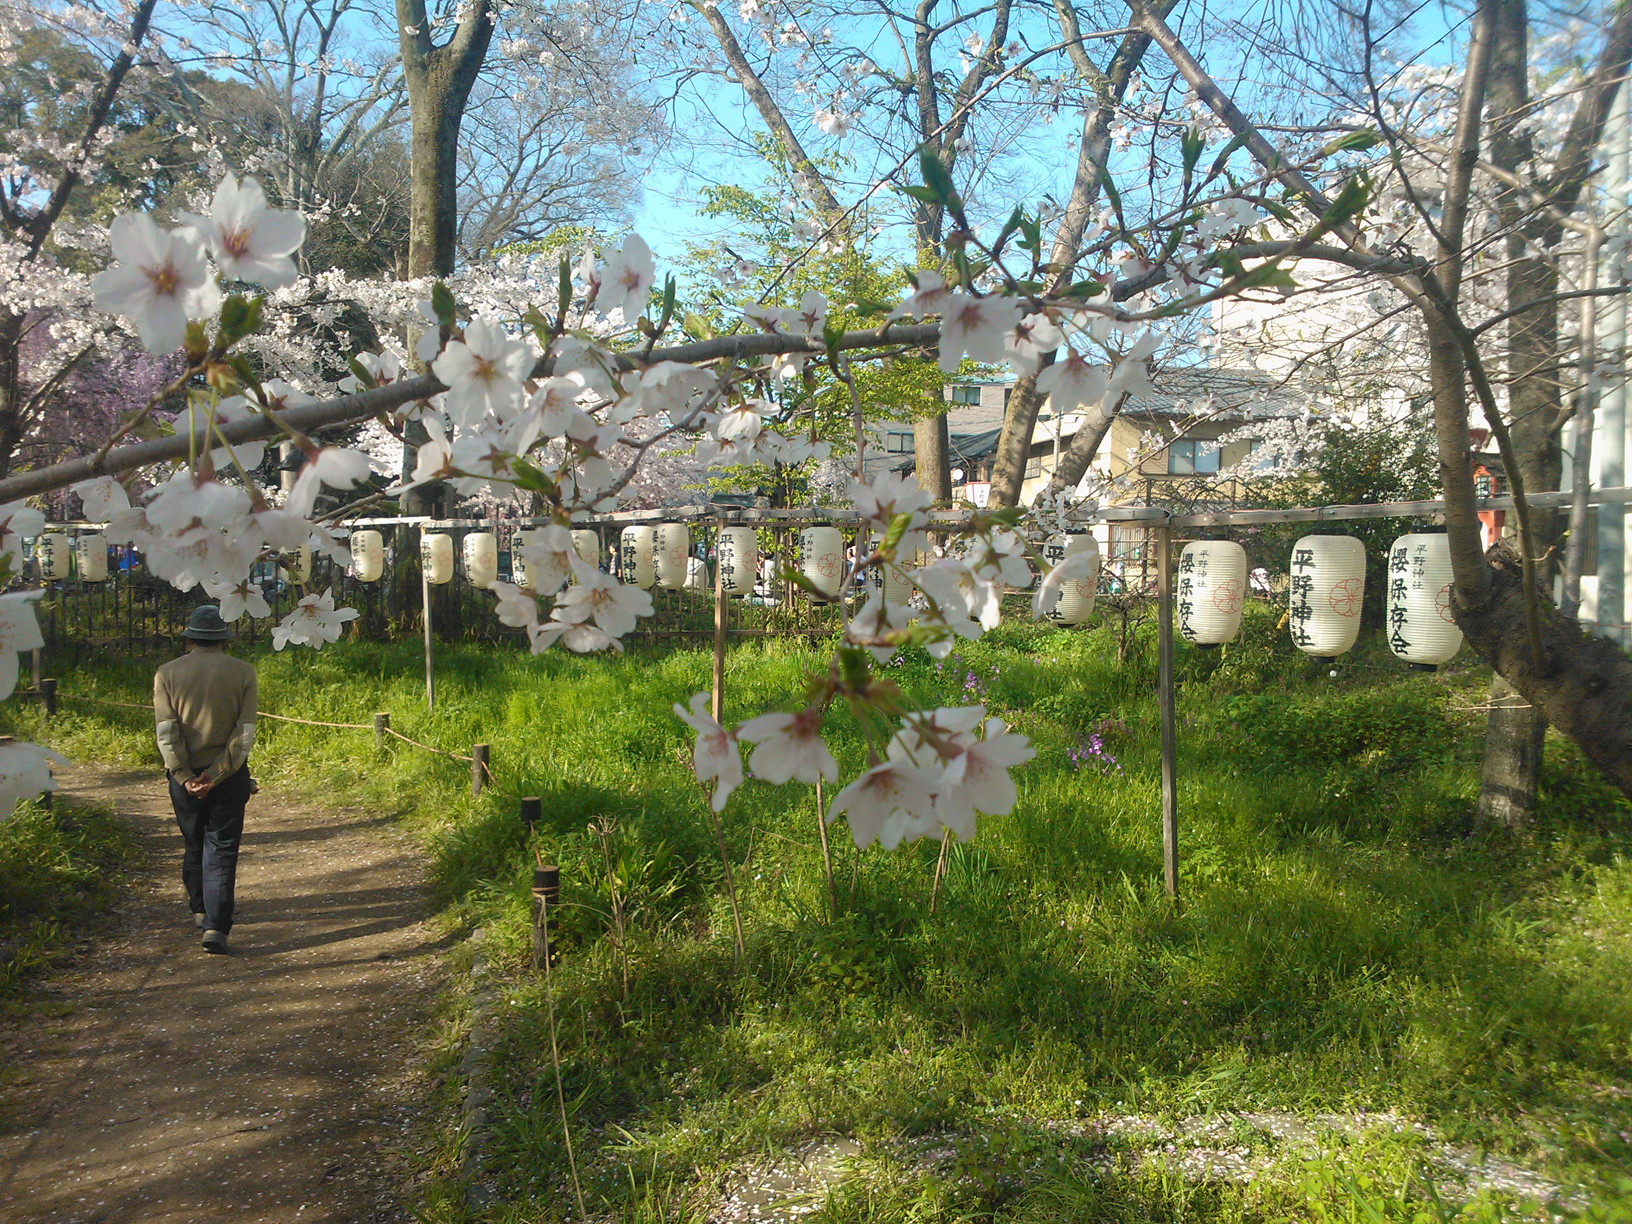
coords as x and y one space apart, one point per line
1347 940
59 871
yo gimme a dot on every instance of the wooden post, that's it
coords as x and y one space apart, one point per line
1164 697
546 895
478 769
48 696
719 624
382 723
532 811
425 603
39 665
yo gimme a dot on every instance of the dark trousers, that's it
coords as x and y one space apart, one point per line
211 827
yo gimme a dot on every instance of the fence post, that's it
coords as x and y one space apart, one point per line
719 623
478 769
532 810
1164 697
39 665
546 896
48 696
382 724
425 604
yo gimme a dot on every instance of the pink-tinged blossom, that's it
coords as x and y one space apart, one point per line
336 466
19 631
483 372
976 326
716 756
548 555
627 280
17 521
238 599
603 599
790 747
250 242
517 608
25 771
929 298
888 803
314 621
1076 567
1073 383
1034 338
575 636
159 282
874 625
888 495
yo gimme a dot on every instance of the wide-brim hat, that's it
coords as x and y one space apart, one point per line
206 625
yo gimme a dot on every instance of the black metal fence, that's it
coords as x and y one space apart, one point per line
133 612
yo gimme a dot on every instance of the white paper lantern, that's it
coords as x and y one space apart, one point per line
520 572
737 555
51 553
297 565
481 558
821 558
587 544
367 556
1077 596
635 557
92 554
1327 592
436 555
1422 629
887 580
1212 582
671 546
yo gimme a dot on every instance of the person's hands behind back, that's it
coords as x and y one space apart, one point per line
200 786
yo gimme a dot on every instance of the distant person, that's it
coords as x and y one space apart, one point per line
204 708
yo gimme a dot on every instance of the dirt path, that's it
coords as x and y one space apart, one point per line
269 1085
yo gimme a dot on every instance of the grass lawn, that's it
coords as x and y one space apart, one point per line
1359 999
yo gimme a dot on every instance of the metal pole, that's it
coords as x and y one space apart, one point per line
1164 697
719 623
1610 444
1579 453
425 603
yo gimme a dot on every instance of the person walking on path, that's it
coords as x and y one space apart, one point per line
204 711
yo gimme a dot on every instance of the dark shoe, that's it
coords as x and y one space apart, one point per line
198 921
215 941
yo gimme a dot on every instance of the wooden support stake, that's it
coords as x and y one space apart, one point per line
48 696
546 896
39 665
1164 697
478 769
425 603
532 811
719 624
382 724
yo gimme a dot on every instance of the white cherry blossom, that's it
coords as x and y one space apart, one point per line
249 241
339 467
891 802
976 326
627 280
1073 383
790 747
25 771
159 282
19 632
716 756
483 372
314 621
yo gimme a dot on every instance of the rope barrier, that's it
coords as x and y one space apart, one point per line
307 722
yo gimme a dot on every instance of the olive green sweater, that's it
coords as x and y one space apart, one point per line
204 707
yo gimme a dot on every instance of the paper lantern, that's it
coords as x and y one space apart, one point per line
1076 596
51 554
367 556
671 546
1422 629
481 558
520 572
92 554
821 558
737 555
297 565
1328 589
635 564
436 555
587 544
886 580
1212 584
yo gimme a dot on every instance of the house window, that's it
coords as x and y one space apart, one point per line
965 393
898 443
1034 467
1190 457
